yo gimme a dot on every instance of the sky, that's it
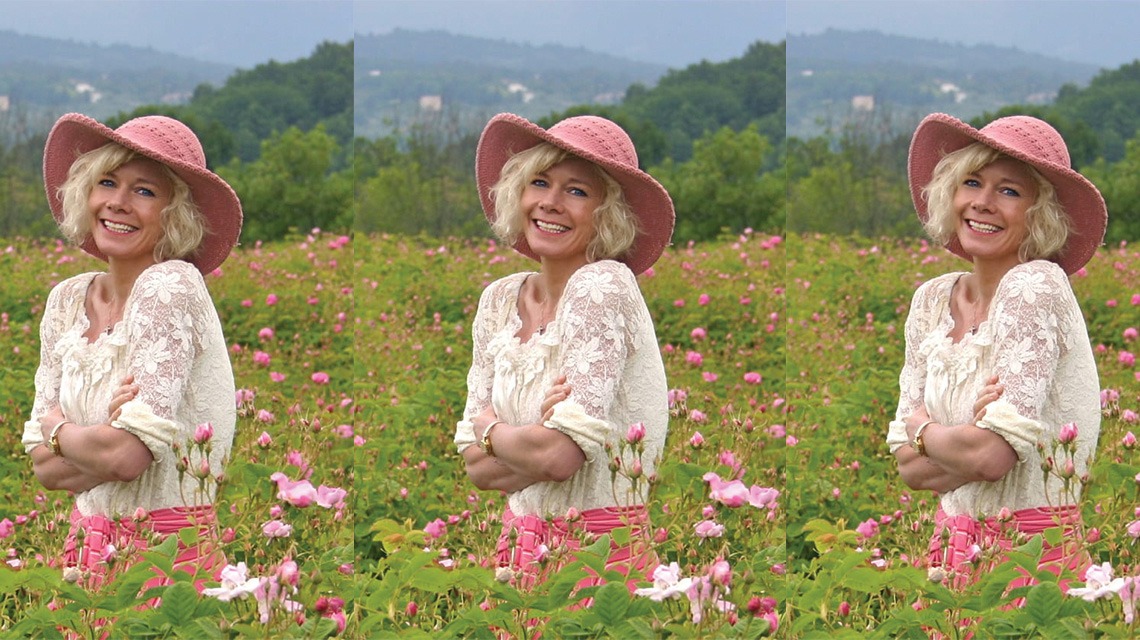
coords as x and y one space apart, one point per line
242 33
1100 32
675 33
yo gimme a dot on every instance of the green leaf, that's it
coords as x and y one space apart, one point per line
178 604
1043 603
611 602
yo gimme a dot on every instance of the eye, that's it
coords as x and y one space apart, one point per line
538 182
145 192
1010 191
971 182
106 182
578 192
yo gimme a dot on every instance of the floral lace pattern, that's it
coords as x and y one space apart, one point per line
1035 340
602 340
170 339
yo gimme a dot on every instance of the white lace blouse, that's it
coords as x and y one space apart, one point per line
1034 339
602 339
170 340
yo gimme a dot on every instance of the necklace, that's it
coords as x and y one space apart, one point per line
542 321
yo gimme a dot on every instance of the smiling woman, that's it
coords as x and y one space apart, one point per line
565 366
133 363
998 359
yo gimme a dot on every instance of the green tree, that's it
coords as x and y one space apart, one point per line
292 186
1119 183
722 188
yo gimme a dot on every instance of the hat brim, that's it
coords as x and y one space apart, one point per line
75 134
507 134
939 134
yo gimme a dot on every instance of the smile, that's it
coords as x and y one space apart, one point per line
118 227
983 227
551 227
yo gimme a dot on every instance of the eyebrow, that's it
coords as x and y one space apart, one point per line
543 174
140 179
1004 179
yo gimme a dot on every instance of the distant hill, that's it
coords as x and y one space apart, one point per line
41 78
837 75
404 77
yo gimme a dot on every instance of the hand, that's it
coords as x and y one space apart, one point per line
557 393
125 393
48 421
989 393
915 420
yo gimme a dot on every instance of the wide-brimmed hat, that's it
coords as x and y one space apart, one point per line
597 140
164 140
1032 141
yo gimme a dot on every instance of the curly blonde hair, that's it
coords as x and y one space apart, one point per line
183 225
1048 226
615 224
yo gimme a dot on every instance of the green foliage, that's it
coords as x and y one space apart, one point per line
292 186
723 188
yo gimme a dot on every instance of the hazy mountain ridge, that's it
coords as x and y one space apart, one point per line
43 77
837 75
405 77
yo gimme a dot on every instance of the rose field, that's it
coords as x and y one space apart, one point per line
285 501
855 532
425 537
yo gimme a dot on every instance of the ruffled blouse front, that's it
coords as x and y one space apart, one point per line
170 339
1036 342
602 340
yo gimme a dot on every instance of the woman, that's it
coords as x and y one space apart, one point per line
134 374
998 362
565 362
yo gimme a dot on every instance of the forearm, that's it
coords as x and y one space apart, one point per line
535 451
489 473
57 474
104 452
970 452
919 472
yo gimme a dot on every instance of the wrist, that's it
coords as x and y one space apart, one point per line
485 441
918 442
53 437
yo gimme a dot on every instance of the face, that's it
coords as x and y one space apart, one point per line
991 205
126 204
559 206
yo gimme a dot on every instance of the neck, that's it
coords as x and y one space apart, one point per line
554 275
121 276
986 277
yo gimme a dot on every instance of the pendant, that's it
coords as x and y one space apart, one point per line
974 330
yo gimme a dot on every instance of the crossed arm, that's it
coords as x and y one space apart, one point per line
956 454
93 454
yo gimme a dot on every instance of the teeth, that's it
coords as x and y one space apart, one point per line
983 227
551 227
118 227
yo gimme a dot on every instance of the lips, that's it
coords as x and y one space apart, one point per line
550 227
118 227
983 227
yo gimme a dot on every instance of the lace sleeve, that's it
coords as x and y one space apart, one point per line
481 375
168 316
50 369
1032 319
912 378
600 317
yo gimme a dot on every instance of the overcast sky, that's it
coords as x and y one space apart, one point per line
676 33
1101 32
243 33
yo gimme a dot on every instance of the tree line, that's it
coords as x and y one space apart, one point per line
280 134
853 181
712 134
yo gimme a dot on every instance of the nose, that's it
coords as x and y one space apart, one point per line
982 200
550 201
116 200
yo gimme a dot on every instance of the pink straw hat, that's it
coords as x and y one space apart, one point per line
1033 142
597 140
164 140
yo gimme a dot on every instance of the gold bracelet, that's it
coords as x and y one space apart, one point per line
485 441
53 438
918 443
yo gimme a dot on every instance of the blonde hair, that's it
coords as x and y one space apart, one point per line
615 224
183 225
1048 226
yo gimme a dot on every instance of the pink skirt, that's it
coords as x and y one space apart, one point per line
520 543
95 543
